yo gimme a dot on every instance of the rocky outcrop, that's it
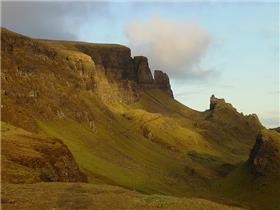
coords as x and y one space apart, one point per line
162 82
221 107
30 158
142 69
223 121
115 59
264 159
145 78
216 103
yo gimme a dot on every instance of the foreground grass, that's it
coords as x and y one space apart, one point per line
241 186
101 197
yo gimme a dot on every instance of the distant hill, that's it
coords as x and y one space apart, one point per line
119 122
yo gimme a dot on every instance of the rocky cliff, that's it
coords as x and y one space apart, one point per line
264 158
41 78
118 63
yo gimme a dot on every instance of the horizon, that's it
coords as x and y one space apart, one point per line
236 58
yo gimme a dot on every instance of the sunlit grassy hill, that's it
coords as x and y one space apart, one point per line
123 130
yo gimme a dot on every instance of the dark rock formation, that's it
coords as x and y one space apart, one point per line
115 59
117 63
214 102
264 158
141 66
221 107
145 78
162 82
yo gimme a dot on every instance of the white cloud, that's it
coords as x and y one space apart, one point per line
176 47
271 119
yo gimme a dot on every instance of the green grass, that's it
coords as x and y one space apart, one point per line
130 161
118 153
103 197
149 143
241 186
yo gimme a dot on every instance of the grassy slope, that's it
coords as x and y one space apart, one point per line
262 193
118 151
142 146
102 197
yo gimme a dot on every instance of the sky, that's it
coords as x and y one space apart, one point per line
226 48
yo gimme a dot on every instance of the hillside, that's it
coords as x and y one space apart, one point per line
257 179
119 121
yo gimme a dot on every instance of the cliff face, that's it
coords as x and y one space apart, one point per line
115 59
42 78
145 77
162 82
117 63
264 158
142 69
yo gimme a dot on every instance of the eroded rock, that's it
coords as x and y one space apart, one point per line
264 158
162 82
141 66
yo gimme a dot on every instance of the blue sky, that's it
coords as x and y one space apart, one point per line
235 53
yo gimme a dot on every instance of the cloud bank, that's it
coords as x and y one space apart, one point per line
172 46
51 20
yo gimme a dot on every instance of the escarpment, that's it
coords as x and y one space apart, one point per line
117 62
43 79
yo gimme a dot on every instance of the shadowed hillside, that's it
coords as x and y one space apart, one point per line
121 123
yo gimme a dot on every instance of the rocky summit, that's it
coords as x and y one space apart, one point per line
90 127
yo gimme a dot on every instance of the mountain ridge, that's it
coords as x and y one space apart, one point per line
121 123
